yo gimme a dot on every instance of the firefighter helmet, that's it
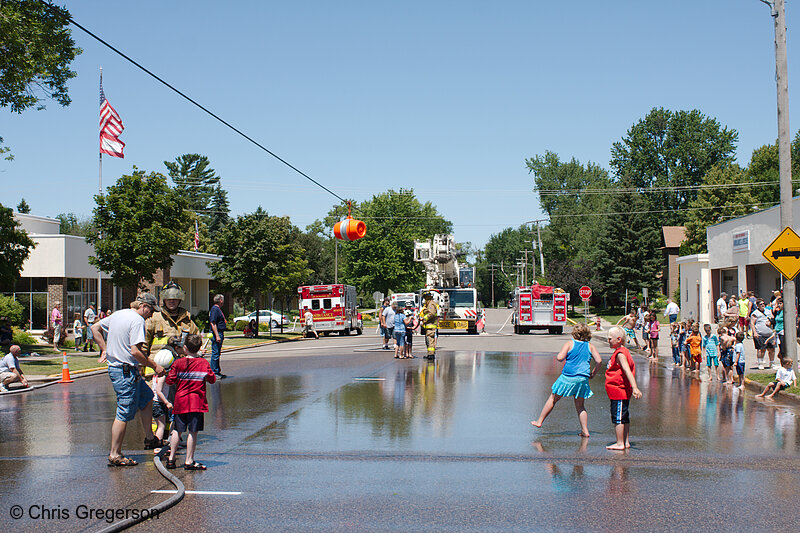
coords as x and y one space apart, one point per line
427 294
172 291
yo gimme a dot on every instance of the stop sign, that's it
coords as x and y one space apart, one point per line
585 292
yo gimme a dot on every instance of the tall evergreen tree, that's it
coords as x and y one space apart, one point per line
23 207
220 209
195 181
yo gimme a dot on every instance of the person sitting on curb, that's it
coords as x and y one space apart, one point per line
784 378
10 372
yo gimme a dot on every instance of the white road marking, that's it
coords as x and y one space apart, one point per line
215 492
369 379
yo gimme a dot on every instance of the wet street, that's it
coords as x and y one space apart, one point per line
337 435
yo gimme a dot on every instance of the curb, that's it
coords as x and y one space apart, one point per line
257 344
755 386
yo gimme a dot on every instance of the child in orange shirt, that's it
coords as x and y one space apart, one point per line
695 342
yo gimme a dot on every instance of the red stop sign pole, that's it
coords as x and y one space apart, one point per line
585 293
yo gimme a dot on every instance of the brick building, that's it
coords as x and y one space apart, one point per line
58 270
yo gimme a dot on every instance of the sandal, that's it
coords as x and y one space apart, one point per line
121 461
194 466
170 464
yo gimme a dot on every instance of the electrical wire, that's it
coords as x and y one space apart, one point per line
666 188
207 111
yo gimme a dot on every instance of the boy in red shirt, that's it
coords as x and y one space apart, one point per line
620 386
190 374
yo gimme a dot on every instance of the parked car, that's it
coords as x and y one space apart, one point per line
265 316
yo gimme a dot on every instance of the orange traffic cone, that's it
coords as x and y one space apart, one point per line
65 371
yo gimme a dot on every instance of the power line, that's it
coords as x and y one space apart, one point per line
264 148
665 188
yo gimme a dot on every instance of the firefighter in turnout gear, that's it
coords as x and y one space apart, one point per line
168 328
429 320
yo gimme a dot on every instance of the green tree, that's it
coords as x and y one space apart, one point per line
384 259
763 168
628 254
259 256
195 181
37 49
567 192
23 207
671 149
319 248
15 247
220 209
138 225
503 250
728 194
13 310
72 225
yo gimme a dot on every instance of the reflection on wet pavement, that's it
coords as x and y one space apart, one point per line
481 402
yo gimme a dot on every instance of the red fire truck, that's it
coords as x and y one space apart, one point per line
332 306
540 307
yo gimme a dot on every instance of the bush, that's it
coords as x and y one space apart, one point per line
23 337
12 309
201 320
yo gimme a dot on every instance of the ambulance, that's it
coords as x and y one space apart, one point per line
539 307
405 300
333 307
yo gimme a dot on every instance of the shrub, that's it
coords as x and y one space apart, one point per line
12 309
201 320
23 337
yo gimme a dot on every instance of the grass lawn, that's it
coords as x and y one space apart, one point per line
763 378
243 341
47 367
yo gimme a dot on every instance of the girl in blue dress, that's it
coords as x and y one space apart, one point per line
574 378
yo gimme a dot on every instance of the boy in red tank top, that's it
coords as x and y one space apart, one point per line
620 386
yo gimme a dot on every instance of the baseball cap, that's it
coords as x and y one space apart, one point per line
150 300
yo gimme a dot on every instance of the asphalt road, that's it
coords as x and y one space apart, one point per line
336 435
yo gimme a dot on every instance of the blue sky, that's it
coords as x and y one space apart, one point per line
448 98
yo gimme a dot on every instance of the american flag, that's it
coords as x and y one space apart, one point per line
196 237
110 127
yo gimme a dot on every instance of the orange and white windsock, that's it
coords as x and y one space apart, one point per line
349 229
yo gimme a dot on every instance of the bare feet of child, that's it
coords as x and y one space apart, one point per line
616 447
583 435
536 423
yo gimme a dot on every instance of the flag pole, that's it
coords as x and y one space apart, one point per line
99 303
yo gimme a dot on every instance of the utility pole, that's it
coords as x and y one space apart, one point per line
778 12
493 265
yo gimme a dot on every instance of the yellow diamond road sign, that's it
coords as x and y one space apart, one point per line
784 253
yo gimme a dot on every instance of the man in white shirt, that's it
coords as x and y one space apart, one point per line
722 306
672 310
123 351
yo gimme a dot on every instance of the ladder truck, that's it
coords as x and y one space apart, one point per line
459 309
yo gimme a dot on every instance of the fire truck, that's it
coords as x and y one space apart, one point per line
333 307
540 307
459 308
405 300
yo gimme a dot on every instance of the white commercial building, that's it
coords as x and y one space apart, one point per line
58 270
734 262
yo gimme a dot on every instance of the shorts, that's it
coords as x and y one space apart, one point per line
697 358
673 318
764 343
158 409
630 333
191 422
400 338
712 359
619 412
133 394
309 328
727 357
779 386
56 333
388 333
5 375
740 368
409 337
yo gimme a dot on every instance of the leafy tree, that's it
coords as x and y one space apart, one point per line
503 249
37 49
259 256
671 149
763 168
72 225
320 254
384 259
15 247
573 273
568 190
195 181
628 254
138 225
729 194
23 207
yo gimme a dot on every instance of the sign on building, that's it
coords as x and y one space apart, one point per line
741 241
